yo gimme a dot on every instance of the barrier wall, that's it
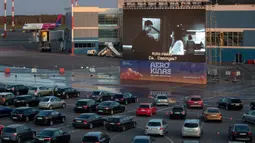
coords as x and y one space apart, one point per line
181 72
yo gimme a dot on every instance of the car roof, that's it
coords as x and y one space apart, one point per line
142 137
191 121
155 120
23 108
5 93
14 125
241 125
84 100
25 95
93 134
51 129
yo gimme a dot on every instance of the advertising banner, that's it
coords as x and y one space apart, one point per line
182 72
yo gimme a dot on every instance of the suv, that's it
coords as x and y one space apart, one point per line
100 96
192 128
18 89
195 101
6 98
120 123
96 137
230 103
17 133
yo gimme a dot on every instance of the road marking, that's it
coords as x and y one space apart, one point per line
171 141
74 131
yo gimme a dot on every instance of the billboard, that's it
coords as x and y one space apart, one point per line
176 35
182 72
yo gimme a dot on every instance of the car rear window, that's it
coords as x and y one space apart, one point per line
236 100
177 109
44 113
213 110
90 139
18 111
106 103
46 133
118 95
45 99
195 99
84 116
242 128
113 119
155 124
191 125
144 106
96 93
162 97
81 103
9 130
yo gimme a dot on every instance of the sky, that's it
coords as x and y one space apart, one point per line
35 7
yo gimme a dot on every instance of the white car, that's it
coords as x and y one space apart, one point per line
156 127
192 128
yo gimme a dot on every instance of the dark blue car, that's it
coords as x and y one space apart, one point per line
5 111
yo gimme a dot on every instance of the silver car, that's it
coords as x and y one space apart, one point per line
50 102
192 128
40 91
249 116
161 99
156 127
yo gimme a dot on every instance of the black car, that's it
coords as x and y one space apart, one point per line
17 133
142 139
67 92
49 117
96 137
5 111
252 106
178 111
85 105
120 123
125 98
100 96
24 114
88 120
52 135
18 89
26 100
110 107
230 103
241 132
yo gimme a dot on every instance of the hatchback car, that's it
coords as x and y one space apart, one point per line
161 99
192 128
52 135
24 114
212 114
50 102
85 105
26 100
249 116
7 98
230 103
39 91
96 137
142 139
120 123
156 127
88 120
178 111
148 109
240 132
17 133
195 101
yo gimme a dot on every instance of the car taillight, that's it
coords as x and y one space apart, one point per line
183 112
122 99
207 115
190 101
161 128
106 108
85 122
219 114
117 123
3 99
250 133
85 106
15 134
234 133
13 89
200 102
35 91
47 139
171 112
96 107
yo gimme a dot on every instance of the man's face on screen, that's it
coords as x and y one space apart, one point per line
147 29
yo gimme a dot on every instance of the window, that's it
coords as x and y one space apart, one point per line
108 19
224 38
84 45
108 33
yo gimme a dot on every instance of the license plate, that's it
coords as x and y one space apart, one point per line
6 138
79 107
214 115
78 121
195 102
142 110
41 139
100 111
39 118
242 133
177 113
14 118
237 104
112 123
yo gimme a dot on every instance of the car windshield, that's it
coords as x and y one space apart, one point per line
191 125
162 97
236 100
144 106
177 109
95 93
82 103
106 103
90 139
242 128
45 100
46 133
141 141
118 95
18 111
44 113
213 110
195 99
113 119
85 116
154 124
9 130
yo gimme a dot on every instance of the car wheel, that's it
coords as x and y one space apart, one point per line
244 119
63 105
27 105
67 96
18 140
126 102
27 119
51 107
123 128
78 95
90 126
111 112
51 122
63 119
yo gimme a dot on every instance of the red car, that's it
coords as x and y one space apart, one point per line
1 128
146 109
195 101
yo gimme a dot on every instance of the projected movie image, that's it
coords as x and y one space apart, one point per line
164 35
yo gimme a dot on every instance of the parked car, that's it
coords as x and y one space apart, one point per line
5 111
125 98
67 92
178 111
142 139
230 103
17 89
195 101
24 114
17 133
88 120
85 105
26 100
110 107
100 96
39 91
7 98
249 116
156 127
96 137
1 128
161 99
192 128
49 117
50 102
240 132
148 109
212 114
120 123
52 135
252 106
